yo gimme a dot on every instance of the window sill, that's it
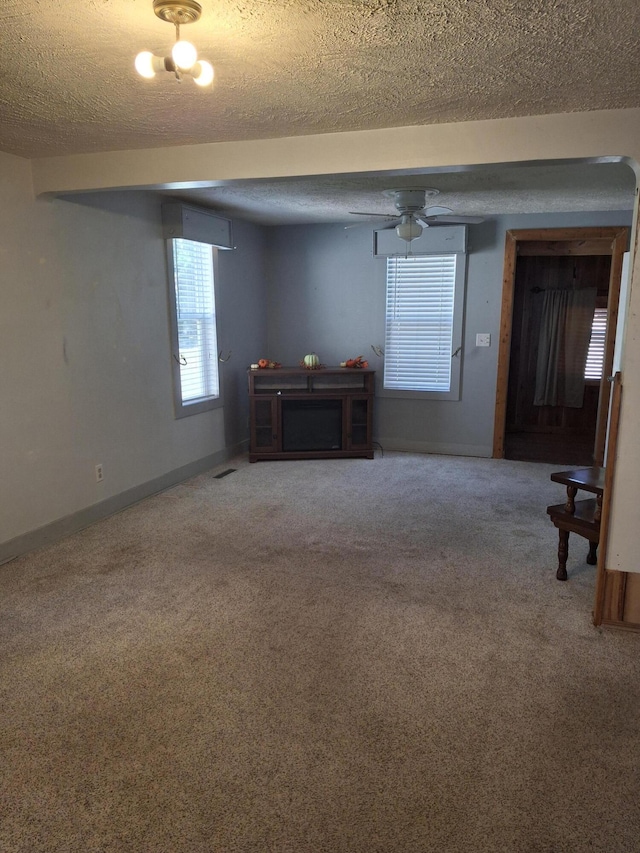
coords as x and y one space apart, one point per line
417 395
184 410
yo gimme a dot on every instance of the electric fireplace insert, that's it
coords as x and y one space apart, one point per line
311 425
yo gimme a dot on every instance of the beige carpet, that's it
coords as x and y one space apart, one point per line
346 655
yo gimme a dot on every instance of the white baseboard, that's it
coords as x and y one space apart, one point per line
435 447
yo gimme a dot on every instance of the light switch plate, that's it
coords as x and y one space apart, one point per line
483 340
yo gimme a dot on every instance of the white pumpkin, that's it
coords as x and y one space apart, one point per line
311 360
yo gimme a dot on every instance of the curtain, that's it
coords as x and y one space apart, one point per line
565 330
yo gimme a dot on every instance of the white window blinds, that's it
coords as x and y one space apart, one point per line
595 355
419 324
196 320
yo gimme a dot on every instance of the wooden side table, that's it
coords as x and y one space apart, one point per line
581 517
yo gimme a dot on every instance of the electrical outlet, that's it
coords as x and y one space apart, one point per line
99 473
483 340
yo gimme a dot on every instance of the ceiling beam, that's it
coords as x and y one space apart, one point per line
592 136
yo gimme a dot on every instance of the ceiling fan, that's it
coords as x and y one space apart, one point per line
413 215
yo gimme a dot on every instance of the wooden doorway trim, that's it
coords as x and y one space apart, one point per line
543 241
610 585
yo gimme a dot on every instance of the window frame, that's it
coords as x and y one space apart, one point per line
457 338
183 409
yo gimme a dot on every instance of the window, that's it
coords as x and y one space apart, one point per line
595 355
425 295
193 316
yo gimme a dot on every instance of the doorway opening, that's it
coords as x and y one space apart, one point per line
562 420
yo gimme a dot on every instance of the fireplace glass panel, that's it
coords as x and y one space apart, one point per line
311 425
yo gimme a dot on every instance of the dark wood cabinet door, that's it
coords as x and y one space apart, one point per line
359 423
264 425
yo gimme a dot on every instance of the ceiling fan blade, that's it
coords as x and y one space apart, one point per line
451 220
436 211
360 213
393 221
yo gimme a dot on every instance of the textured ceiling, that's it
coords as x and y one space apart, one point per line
488 191
295 67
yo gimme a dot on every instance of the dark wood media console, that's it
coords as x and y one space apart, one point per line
310 414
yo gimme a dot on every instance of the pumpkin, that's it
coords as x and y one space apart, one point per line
263 362
311 360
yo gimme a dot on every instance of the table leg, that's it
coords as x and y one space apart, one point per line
570 505
598 513
563 553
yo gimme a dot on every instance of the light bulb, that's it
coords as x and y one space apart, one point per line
408 229
203 73
144 64
184 54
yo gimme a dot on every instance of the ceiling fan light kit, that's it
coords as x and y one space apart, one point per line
408 229
184 56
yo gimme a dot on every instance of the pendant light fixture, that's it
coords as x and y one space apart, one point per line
184 56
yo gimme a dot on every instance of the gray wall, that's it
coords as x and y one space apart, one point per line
86 373
327 294
241 304
86 362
